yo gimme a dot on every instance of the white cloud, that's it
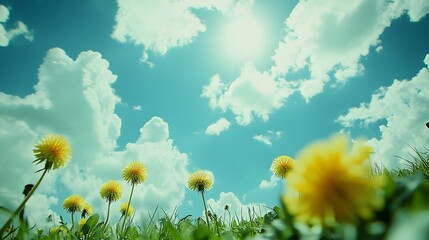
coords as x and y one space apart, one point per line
266 139
75 98
253 93
137 107
269 184
176 24
145 59
7 35
334 37
414 8
236 208
403 106
219 126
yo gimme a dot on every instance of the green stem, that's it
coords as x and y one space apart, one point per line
128 207
205 208
108 213
20 207
72 217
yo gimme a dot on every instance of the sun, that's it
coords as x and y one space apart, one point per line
243 38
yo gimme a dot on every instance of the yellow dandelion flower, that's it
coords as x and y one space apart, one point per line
87 209
73 203
200 181
134 173
333 183
54 150
123 209
111 191
282 165
82 222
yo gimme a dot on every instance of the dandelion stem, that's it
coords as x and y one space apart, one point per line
205 208
9 221
128 207
108 213
72 214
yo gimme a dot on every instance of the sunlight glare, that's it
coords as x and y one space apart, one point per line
243 38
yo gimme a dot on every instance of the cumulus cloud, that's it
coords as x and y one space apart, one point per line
400 111
75 98
219 126
334 37
236 208
176 24
266 138
252 94
266 184
7 35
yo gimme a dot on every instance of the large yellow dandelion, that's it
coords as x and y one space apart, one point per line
111 191
54 150
333 183
73 203
282 165
123 209
134 173
200 181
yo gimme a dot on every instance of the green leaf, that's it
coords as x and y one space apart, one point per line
92 221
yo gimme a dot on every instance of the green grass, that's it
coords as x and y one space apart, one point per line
406 194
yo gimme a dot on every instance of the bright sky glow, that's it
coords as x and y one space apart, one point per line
243 37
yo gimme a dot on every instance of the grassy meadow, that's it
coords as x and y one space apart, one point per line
332 192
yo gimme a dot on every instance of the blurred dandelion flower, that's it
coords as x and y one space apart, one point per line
54 150
111 191
73 203
87 210
123 208
82 222
57 230
200 181
282 165
333 183
134 173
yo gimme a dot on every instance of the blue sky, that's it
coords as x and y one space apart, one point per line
222 85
